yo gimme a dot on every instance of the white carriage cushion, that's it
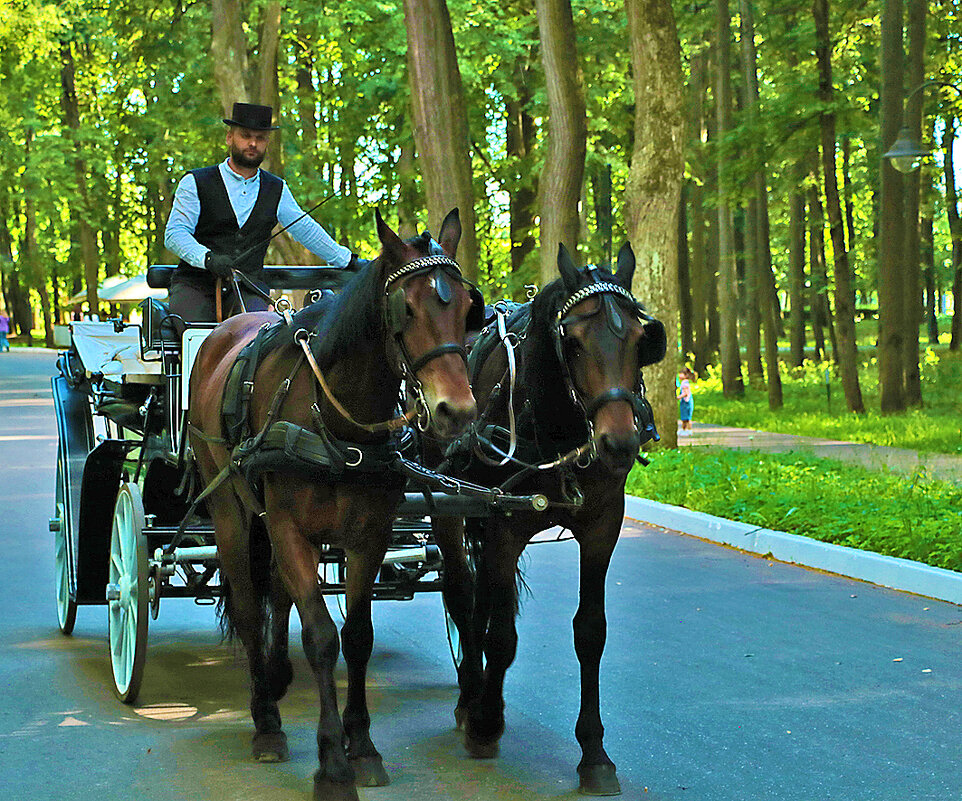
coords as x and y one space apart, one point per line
115 354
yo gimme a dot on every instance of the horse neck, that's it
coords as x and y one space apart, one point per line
365 385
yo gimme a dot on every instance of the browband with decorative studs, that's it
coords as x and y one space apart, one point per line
419 265
594 289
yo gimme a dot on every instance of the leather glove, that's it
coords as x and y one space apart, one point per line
219 264
356 263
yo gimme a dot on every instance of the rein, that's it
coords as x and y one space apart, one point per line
301 338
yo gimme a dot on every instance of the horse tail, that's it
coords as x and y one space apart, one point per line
260 554
475 539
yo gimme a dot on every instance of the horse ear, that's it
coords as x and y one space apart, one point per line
451 232
569 273
391 244
625 270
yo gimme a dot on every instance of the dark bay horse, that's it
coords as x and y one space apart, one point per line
403 315
577 409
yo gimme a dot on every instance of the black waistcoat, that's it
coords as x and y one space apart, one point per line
217 226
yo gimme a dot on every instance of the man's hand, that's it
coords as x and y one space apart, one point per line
356 263
219 264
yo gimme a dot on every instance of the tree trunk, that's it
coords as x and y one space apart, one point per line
654 186
561 178
847 193
440 122
796 278
844 291
407 187
891 239
732 385
522 202
912 263
266 90
81 212
928 271
228 50
766 290
816 260
752 339
684 279
955 229
698 261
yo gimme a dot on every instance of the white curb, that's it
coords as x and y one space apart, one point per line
887 571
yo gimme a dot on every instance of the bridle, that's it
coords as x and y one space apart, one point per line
635 398
394 303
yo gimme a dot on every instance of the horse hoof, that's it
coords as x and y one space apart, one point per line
326 790
270 746
598 780
479 749
369 772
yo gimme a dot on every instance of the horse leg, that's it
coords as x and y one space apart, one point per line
280 672
357 642
596 771
485 723
297 561
457 589
246 602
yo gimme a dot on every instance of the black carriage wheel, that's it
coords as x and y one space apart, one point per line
128 594
66 601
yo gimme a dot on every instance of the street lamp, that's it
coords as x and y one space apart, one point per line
906 152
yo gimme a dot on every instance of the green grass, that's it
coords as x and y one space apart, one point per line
815 497
808 411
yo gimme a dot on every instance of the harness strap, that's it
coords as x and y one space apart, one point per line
387 425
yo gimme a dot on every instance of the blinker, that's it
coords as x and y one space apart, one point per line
396 312
440 284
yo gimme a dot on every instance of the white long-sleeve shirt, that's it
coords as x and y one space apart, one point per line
242 192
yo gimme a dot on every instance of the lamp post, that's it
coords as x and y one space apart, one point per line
906 152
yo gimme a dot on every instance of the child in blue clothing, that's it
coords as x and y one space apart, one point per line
685 402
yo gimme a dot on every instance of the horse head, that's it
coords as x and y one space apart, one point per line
603 337
428 307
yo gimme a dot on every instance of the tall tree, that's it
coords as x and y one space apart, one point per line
844 291
796 277
229 53
912 244
81 210
732 385
564 164
440 121
698 260
955 227
890 238
766 294
654 183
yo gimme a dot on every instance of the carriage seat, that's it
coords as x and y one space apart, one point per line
115 355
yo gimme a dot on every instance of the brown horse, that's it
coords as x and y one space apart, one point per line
401 316
568 424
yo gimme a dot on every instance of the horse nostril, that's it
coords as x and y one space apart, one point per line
454 416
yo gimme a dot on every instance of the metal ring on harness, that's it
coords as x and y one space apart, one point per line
360 456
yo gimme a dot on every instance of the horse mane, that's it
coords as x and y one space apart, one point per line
541 371
351 317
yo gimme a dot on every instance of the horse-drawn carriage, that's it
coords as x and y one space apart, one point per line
150 466
124 487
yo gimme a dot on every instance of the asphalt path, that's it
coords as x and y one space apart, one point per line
726 677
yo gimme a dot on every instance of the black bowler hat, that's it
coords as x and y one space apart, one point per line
254 118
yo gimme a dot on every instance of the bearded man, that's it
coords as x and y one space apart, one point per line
222 218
